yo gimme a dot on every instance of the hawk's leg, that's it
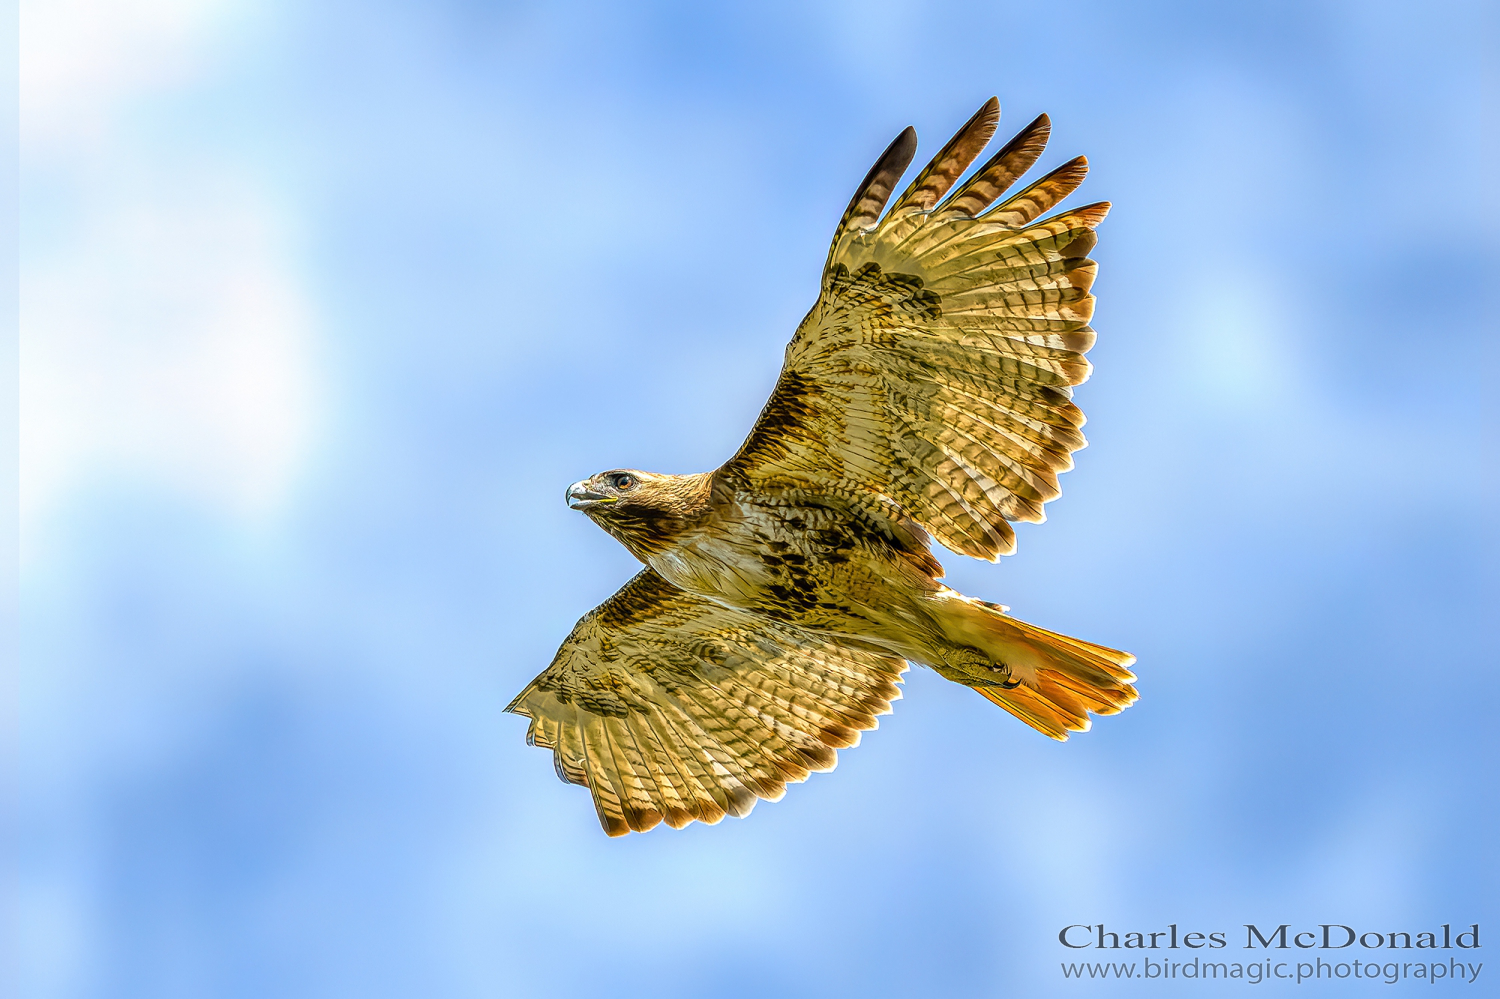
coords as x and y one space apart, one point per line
972 668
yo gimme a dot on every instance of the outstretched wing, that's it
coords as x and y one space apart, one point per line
932 381
669 706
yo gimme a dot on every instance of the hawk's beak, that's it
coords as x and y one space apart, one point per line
581 497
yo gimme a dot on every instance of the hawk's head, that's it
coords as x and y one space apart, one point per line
643 510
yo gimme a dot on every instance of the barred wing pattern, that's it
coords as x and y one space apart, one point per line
932 381
668 706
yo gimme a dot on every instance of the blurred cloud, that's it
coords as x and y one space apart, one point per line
1242 360
83 59
166 335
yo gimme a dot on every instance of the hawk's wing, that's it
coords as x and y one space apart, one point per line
932 381
670 706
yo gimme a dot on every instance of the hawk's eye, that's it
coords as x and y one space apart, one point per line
622 481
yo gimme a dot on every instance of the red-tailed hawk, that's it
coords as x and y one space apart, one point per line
926 395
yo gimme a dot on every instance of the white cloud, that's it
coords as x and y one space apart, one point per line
81 59
165 338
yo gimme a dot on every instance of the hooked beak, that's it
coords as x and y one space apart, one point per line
581 497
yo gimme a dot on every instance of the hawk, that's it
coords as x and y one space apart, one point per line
927 395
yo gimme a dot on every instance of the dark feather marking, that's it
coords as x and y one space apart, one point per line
999 172
875 190
951 161
645 597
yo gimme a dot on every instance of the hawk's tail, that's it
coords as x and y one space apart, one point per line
1049 681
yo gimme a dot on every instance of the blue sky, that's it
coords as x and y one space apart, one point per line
324 305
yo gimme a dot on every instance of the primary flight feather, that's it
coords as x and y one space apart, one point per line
928 394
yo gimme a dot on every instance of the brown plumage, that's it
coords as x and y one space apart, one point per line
927 394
